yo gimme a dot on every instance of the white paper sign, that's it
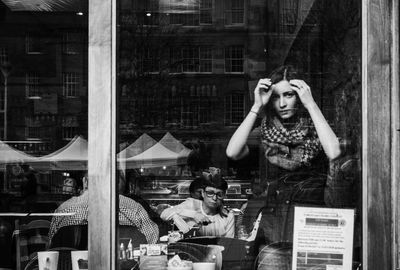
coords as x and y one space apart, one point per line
323 238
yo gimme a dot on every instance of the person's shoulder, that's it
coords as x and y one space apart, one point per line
74 201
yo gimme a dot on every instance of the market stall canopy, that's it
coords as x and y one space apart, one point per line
142 143
156 156
176 146
47 5
71 157
10 155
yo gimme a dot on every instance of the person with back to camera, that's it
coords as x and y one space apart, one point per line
196 188
209 214
294 135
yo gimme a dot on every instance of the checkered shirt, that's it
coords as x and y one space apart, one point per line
131 213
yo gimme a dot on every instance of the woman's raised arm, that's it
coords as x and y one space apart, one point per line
329 141
237 146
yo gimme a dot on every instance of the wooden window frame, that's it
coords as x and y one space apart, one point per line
380 147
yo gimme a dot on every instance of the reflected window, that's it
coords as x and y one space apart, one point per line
71 42
34 44
70 84
32 85
206 12
234 109
234 12
234 59
3 55
191 13
68 133
151 61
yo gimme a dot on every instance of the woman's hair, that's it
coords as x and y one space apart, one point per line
284 73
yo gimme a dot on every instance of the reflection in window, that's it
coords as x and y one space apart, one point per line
33 44
206 12
151 61
190 59
234 59
32 87
234 12
205 59
38 132
191 13
3 55
70 84
68 133
234 109
71 42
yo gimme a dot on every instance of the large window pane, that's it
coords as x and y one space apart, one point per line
43 130
196 116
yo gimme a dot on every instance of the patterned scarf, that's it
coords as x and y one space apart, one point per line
290 148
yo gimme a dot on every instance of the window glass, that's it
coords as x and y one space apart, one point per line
226 126
43 132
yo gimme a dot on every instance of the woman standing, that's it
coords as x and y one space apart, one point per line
294 135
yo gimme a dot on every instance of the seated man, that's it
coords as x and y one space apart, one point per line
209 214
131 213
196 187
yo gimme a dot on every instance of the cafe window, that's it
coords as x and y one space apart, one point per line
70 84
170 116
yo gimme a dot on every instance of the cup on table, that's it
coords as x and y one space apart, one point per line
203 266
79 259
48 260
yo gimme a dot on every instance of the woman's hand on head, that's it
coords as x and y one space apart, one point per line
262 93
303 91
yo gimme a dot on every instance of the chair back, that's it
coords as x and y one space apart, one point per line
76 236
29 239
73 236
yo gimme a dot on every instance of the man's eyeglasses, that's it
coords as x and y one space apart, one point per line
210 194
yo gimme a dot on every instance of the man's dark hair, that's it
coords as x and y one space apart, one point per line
214 181
196 183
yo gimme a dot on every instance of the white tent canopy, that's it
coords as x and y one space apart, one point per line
156 156
142 143
73 156
10 155
175 145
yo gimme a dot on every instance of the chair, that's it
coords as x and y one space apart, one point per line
73 236
29 239
64 259
76 236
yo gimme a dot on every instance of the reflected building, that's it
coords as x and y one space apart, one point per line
190 67
47 85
